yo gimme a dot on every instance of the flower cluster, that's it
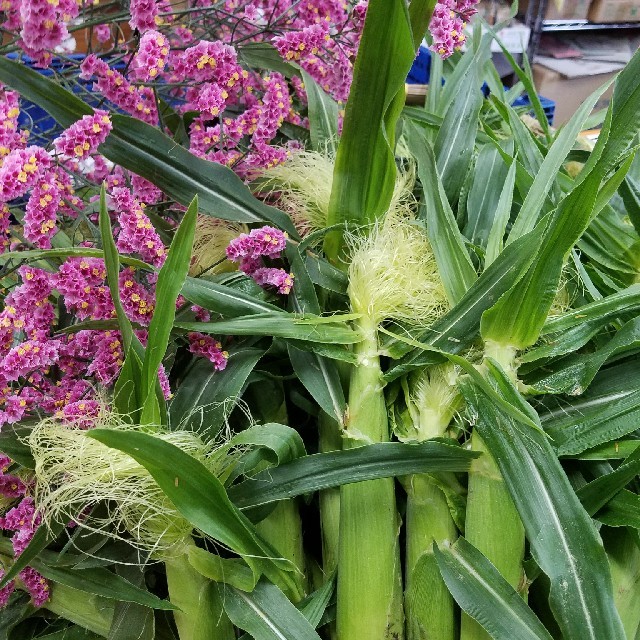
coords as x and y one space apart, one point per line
10 136
294 44
137 234
20 171
41 212
207 347
249 249
137 101
22 520
152 56
83 137
44 26
448 23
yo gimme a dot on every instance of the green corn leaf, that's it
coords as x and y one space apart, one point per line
453 147
321 379
33 255
170 280
266 613
72 632
487 190
518 317
546 174
501 217
365 170
458 328
131 619
127 392
282 443
598 492
454 264
581 594
323 117
232 571
573 374
142 148
205 397
198 496
101 582
326 470
224 300
607 411
420 12
281 325
313 607
13 444
263 55
630 192
609 451
482 592
622 511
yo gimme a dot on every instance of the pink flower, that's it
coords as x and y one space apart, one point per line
152 56
207 347
103 32
278 278
137 234
447 25
42 211
11 486
36 585
295 45
20 171
6 591
82 138
138 303
30 355
144 15
81 414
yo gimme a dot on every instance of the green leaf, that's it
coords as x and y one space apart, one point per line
453 147
232 571
365 170
326 470
581 594
101 582
263 55
608 410
546 174
13 444
482 592
205 397
622 511
517 318
458 328
281 325
323 117
630 192
501 217
266 613
130 619
598 492
284 443
573 374
144 149
198 496
487 190
314 606
454 264
127 393
321 379
170 280
33 255
224 300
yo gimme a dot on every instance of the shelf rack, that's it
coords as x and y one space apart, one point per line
538 25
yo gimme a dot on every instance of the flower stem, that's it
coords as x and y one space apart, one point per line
369 572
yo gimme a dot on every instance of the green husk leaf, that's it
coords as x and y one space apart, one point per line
485 595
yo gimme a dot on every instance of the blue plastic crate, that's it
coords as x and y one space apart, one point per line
421 69
548 106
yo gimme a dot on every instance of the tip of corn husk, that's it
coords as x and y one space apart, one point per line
211 239
393 273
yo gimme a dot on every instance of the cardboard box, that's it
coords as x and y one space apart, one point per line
562 9
615 11
570 93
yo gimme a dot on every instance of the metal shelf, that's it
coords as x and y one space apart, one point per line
584 25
